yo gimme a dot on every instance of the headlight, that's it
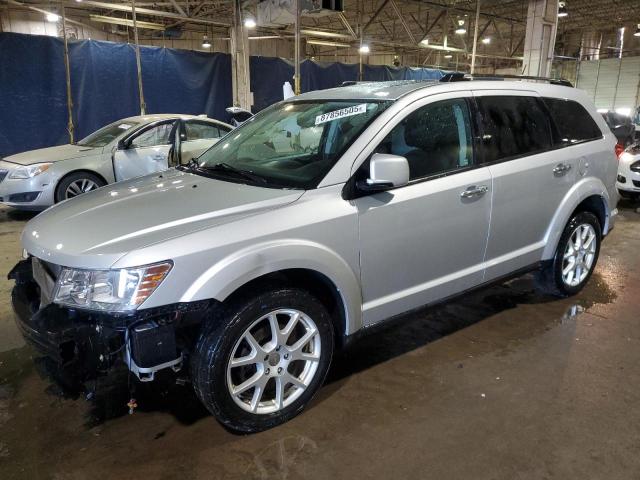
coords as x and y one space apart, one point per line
109 290
29 171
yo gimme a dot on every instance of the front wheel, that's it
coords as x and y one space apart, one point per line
262 360
575 257
76 184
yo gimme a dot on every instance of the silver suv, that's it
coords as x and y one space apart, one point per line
319 217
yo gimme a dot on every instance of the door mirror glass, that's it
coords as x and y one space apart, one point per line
386 171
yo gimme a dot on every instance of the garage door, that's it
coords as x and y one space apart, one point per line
613 83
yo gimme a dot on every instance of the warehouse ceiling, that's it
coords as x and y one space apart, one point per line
419 26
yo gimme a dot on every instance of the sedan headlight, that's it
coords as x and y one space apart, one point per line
29 171
109 290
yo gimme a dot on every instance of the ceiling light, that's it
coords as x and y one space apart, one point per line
424 41
448 56
52 17
486 40
205 42
637 34
126 22
364 49
460 30
562 9
250 23
327 43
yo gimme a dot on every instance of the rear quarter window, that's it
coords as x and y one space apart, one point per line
573 122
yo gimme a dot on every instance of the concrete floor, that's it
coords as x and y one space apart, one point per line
503 384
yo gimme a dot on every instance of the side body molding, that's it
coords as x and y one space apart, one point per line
582 190
235 270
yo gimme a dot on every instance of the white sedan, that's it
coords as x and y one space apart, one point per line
628 181
128 148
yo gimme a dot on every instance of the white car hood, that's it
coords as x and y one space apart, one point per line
52 154
99 227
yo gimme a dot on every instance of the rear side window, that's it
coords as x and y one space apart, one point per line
201 131
513 127
573 122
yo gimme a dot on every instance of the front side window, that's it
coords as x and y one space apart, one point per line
201 131
573 122
154 136
107 134
513 127
434 139
291 145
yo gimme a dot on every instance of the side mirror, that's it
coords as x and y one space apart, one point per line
385 171
122 144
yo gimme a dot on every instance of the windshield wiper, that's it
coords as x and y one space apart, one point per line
225 167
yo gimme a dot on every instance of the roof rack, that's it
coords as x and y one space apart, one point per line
462 77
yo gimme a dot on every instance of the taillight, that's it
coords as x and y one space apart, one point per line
619 150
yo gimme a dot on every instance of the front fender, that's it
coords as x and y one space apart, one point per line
585 188
239 268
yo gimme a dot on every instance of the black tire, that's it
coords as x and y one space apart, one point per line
64 184
218 338
549 279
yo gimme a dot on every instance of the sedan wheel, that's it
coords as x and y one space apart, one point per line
79 187
579 255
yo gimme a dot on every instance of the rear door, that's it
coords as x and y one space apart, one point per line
147 151
197 136
530 175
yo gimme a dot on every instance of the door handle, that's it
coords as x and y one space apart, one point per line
474 191
561 168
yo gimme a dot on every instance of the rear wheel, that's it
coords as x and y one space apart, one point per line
575 257
261 362
76 184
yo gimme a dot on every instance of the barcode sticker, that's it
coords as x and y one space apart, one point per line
342 113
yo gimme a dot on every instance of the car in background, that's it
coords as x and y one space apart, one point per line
622 127
628 181
125 149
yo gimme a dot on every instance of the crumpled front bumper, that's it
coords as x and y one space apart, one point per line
84 345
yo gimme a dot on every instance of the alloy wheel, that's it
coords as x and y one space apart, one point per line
80 186
274 361
579 255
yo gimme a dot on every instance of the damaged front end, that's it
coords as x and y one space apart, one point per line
85 345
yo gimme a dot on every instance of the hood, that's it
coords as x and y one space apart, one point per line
99 227
52 154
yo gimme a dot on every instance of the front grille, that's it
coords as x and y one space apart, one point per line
636 183
3 174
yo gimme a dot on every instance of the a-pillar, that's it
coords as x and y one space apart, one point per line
240 60
540 38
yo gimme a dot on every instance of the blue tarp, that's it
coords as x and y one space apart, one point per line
33 109
268 74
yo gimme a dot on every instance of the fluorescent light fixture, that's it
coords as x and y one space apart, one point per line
637 32
327 43
425 41
126 22
486 40
205 42
322 33
52 17
448 56
250 23
562 9
364 49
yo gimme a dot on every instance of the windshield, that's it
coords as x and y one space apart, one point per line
107 134
291 145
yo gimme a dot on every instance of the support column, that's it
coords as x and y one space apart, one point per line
143 105
540 39
240 60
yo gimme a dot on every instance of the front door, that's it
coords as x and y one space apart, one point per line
146 152
425 241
